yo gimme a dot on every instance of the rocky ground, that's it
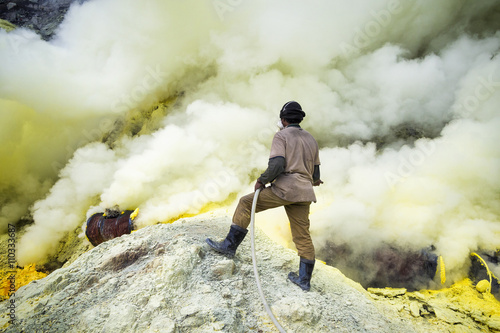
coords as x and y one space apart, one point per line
164 278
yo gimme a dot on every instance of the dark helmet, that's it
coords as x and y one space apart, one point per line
292 110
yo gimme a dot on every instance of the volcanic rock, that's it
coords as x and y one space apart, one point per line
387 292
43 17
164 278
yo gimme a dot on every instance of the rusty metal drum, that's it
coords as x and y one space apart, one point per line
101 228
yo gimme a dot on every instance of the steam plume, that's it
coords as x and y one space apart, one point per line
401 95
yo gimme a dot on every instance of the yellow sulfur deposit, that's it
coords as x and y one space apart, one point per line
442 270
454 309
6 25
15 279
483 286
134 214
465 299
488 289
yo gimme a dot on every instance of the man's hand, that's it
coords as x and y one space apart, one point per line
318 182
259 184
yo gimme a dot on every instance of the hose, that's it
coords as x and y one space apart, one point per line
254 261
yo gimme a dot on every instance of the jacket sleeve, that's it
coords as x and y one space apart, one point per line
276 165
316 174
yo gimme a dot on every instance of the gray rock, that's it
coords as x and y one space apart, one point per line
164 278
387 292
223 269
414 309
448 315
43 17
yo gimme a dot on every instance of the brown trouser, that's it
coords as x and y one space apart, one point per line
298 215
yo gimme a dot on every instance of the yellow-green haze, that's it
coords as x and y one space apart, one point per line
403 97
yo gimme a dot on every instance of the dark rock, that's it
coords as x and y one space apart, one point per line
41 16
385 266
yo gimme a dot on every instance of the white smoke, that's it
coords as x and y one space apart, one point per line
401 95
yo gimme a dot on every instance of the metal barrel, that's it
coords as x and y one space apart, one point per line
101 228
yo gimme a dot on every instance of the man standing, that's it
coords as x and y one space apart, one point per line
293 170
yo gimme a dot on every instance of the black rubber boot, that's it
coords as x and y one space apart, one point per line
233 239
303 280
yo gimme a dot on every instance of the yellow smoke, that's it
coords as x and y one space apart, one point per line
170 107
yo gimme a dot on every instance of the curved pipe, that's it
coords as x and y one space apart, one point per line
254 261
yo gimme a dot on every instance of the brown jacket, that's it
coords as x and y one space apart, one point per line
301 153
